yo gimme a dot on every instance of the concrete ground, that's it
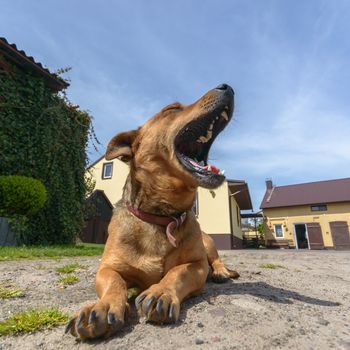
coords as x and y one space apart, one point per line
303 304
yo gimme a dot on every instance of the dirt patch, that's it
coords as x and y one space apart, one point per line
305 304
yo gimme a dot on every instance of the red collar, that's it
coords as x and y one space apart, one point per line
170 222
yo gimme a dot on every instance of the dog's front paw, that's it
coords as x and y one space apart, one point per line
158 305
221 273
95 321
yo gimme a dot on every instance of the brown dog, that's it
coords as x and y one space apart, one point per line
154 241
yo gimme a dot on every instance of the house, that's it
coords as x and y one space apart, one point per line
313 215
218 211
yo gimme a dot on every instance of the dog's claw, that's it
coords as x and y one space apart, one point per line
147 304
110 318
139 299
69 326
80 318
92 317
159 306
172 315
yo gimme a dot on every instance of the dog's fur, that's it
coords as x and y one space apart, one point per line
138 253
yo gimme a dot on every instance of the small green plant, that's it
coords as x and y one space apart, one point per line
21 195
8 291
69 279
133 293
69 268
272 266
31 321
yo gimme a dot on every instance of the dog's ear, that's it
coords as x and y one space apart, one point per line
121 146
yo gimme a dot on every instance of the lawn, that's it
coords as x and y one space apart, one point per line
54 251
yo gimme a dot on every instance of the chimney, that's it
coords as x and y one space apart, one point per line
269 184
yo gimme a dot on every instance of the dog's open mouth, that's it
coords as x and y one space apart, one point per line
193 142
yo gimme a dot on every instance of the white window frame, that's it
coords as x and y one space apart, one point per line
274 229
104 167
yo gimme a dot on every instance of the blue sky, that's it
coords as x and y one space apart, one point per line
288 62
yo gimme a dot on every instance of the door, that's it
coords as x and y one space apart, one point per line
301 236
340 234
315 235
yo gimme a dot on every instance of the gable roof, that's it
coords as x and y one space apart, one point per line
20 58
95 162
240 191
320 192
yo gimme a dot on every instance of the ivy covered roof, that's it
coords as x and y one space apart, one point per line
25 62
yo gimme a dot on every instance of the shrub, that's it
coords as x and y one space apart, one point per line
21 195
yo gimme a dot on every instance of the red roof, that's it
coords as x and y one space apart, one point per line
321 192
21 59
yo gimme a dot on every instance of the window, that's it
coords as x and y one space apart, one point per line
322 207
278 231
107 170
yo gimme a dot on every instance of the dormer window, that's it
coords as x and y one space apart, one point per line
107 170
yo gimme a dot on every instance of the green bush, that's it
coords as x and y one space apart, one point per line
21 195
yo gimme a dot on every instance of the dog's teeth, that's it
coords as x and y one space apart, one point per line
211 126
216 118
204 139
224 115
226 108
222 172
209 168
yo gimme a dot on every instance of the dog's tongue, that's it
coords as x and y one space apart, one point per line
208 167
212 168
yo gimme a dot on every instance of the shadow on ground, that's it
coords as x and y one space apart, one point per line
265 291
257 289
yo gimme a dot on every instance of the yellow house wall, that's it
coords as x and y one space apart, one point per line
214 211
289 216
236 218
113 187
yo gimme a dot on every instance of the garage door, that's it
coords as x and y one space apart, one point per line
315 235
340 234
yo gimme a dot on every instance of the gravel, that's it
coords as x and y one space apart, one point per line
305 305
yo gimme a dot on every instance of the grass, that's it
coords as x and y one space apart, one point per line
32 321
52 252
69 279
69 268
272 266
133 293
9 291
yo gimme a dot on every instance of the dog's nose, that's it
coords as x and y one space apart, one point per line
224 87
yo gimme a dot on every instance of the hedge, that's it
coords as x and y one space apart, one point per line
44 136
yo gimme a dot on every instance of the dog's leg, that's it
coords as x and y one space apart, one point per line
160 303
106 316
220 272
